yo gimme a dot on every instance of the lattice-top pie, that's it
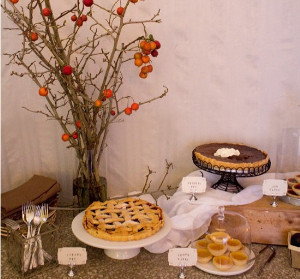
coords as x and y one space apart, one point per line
123 220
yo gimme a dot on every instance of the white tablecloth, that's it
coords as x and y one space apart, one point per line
190 219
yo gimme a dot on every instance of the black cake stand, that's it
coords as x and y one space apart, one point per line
228 181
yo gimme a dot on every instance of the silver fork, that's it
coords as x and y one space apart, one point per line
44 215
36 222
28 216
41 253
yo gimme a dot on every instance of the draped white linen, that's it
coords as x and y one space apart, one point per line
232 70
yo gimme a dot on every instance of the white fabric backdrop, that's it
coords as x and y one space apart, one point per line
232 69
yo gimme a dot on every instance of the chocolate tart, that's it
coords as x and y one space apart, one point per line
250 157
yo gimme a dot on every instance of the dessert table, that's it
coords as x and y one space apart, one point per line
144 265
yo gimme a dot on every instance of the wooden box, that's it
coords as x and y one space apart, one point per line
294 252
270 225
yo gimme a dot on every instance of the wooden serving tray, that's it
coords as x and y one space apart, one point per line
270 225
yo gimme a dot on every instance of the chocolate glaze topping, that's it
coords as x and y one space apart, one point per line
247 154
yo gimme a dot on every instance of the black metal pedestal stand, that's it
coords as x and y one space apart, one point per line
228 181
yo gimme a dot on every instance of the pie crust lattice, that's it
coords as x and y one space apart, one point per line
123 220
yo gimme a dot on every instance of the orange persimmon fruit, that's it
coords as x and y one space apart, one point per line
98 103
43 91
65 137
138 62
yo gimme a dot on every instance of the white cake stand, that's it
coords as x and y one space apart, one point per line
116 249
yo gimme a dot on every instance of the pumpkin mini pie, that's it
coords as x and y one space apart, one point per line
234 244
297 177
223 262
201 243
219 237
204 256
216 249
239 258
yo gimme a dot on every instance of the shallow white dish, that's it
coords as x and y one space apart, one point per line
117 249
210 268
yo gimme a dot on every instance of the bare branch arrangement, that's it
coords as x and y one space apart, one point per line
78 73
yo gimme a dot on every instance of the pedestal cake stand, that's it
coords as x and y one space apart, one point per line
228 181
116 249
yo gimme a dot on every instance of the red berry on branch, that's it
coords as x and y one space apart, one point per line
74 135
128 111
135 106
88 3
34 36
154 53
14 1
43 91
158 45
134 1
120 11
84 18
112 112
46 12
67 70
74 17
107 93
65 137
79 22
78 124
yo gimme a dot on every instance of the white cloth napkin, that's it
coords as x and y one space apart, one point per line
190 219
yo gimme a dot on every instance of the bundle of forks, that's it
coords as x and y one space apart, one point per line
34 216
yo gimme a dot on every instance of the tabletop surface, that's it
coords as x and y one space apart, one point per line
144 265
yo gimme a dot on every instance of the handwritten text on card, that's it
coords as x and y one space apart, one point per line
72 255
193 184
182 256
274 187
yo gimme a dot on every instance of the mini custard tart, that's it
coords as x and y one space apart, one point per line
223 262
204 256
239 258
243 249
234 244
207 237
219 237
201 243
216 249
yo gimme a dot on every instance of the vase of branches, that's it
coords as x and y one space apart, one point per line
81 80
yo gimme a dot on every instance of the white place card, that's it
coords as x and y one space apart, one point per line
274 187
193 184
72 255
182 256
